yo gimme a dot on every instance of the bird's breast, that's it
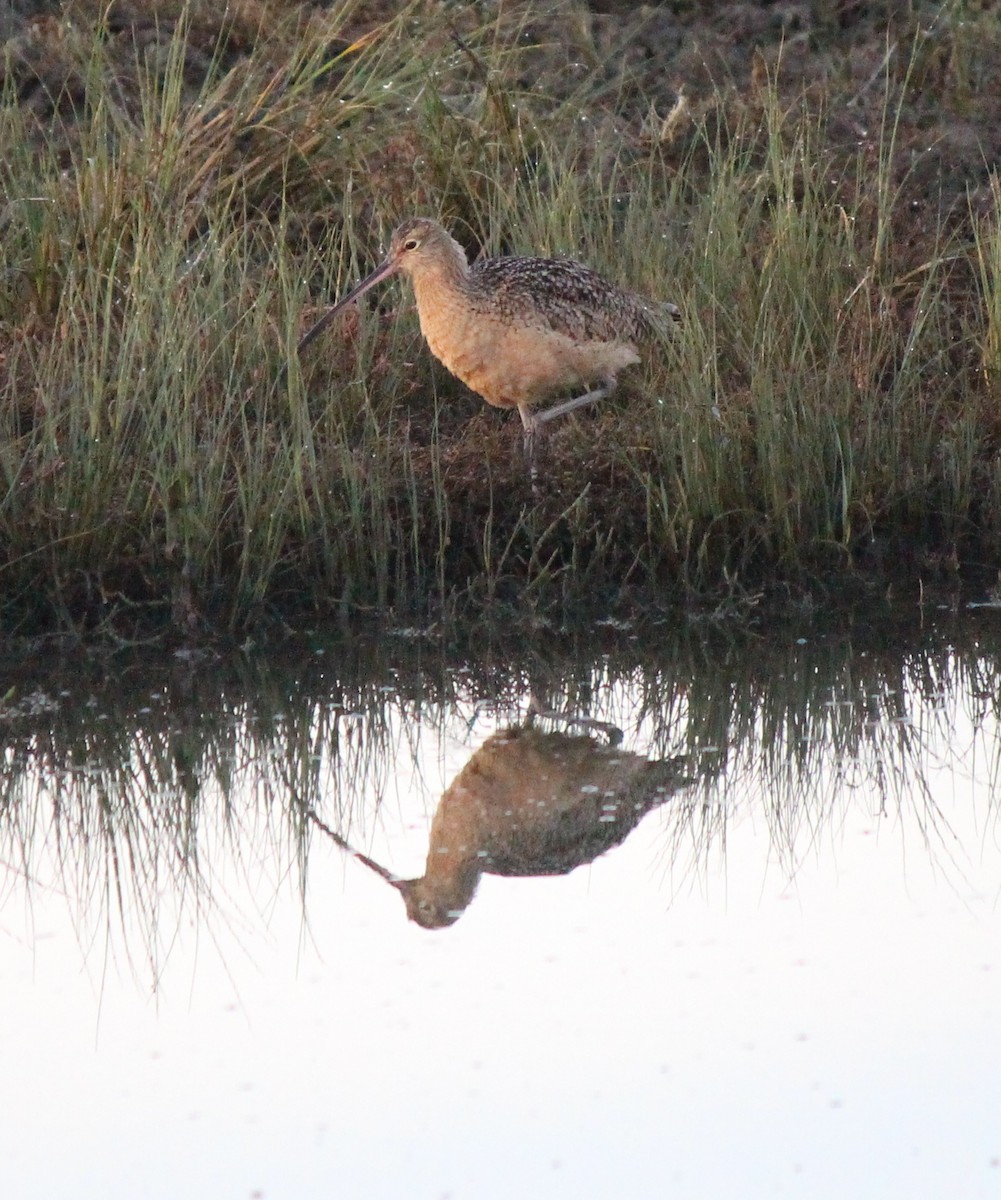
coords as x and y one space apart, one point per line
507 361
466 341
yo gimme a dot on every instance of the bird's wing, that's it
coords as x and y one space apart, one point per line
565 296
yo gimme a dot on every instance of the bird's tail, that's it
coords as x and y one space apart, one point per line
660 318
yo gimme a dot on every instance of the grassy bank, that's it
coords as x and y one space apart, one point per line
179 200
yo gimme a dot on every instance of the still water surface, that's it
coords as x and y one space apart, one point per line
784 981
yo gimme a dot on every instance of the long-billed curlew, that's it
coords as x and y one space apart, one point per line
528 803
518 331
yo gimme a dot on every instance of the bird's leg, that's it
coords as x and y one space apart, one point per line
559 410
536 709
530 425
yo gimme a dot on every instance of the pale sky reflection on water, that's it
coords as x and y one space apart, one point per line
748 1029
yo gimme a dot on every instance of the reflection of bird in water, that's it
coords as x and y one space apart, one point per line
530 803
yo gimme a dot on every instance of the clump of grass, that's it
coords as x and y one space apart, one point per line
148 455
811 403
824 409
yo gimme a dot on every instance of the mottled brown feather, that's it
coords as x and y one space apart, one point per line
565 296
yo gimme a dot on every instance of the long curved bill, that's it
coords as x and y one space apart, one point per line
346 846
381 272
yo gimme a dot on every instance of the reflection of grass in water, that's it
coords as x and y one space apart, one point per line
131 786
808 732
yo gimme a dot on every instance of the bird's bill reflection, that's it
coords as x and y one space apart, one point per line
527 803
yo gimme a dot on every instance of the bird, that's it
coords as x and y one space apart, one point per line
528 802
516 330
532 803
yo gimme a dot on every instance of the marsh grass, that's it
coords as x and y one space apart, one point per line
825 415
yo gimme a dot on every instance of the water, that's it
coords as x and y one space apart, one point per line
784 981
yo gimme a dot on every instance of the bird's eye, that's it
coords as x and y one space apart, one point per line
411 244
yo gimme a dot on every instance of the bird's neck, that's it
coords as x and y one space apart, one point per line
445 272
